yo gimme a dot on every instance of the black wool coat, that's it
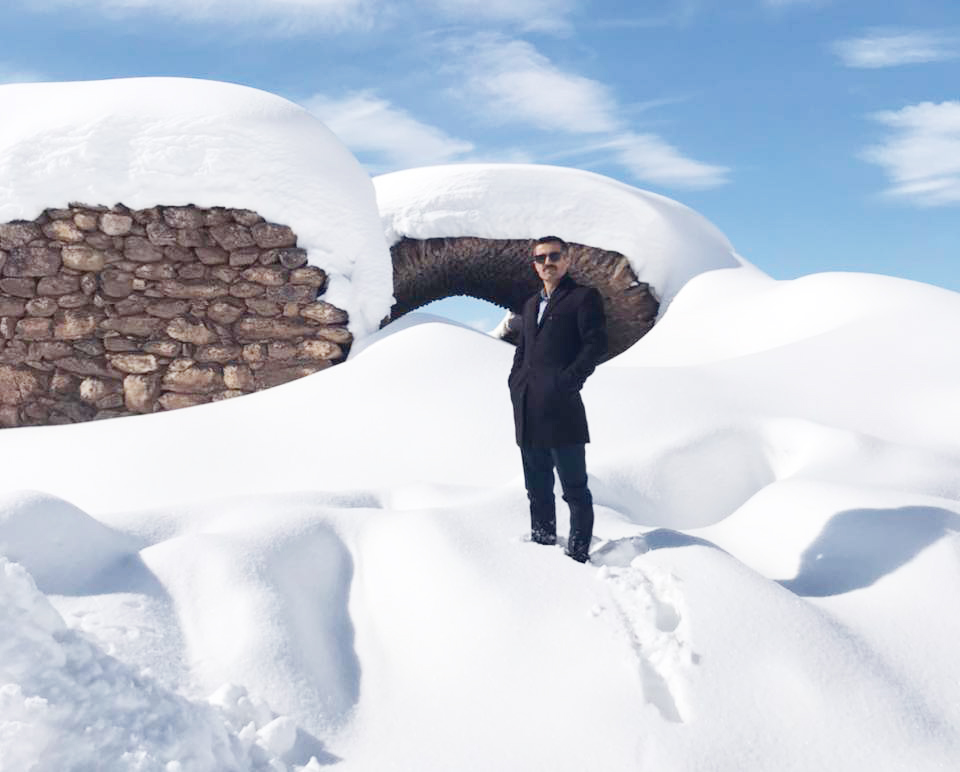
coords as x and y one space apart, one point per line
552 361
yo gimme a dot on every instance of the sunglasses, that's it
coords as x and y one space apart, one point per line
555 257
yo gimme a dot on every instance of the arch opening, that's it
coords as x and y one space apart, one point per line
499 271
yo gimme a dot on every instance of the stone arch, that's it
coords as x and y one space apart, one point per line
499 271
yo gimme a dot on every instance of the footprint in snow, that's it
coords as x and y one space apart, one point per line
646 605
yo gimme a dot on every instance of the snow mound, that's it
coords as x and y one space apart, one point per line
177 141
61 545
65 704
666 242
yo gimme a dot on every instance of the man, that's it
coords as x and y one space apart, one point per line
562 337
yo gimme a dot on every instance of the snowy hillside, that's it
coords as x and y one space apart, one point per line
778 508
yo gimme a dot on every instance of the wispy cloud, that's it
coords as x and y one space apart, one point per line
540 15
509 81
282 16
383 136
922 155
889 48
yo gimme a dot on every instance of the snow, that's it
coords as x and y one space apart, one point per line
178 141
778 511
666 242
333 572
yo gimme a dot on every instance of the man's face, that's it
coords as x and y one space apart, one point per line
550 261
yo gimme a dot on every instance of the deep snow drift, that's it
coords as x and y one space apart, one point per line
178 141
778 509
666 243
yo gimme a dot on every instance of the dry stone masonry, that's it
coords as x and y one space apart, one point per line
500 271
108 311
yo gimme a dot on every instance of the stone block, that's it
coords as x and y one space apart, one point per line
251 328
100 241
74 300
253 352
192 271
319 349
281 349
190 331
269 235
291 293
263 307
163 348
216 215
12 306
49 350
87 366
191 237
246 289
335 334
232 236
83 258
159 234
19 288
228 394
18 234
137 326
245 217
324 312
193 289
142 250
183 217
34 329
217 352
265 274
131 306
9 416
116 224
269 377
224 273
18 386
88 283
309 275
212 255
32 261
166 309
91 347
138 364
58 285
115 283
178 254
193 380
120 343
242 257
223 312
63 383
63 230
39 307
140 393
94 389
155 271
292 258
239 377
174 401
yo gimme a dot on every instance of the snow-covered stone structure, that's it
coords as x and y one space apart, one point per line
467 230
228 242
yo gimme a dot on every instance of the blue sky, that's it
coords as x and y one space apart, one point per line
817 134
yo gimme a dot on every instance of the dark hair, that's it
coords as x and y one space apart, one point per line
551 240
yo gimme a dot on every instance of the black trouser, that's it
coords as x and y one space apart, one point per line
571 466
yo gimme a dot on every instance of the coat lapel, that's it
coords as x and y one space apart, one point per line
562 289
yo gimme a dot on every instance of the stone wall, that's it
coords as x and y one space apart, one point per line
500 271
110 311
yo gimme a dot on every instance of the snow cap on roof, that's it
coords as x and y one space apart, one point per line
177 141
666 243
